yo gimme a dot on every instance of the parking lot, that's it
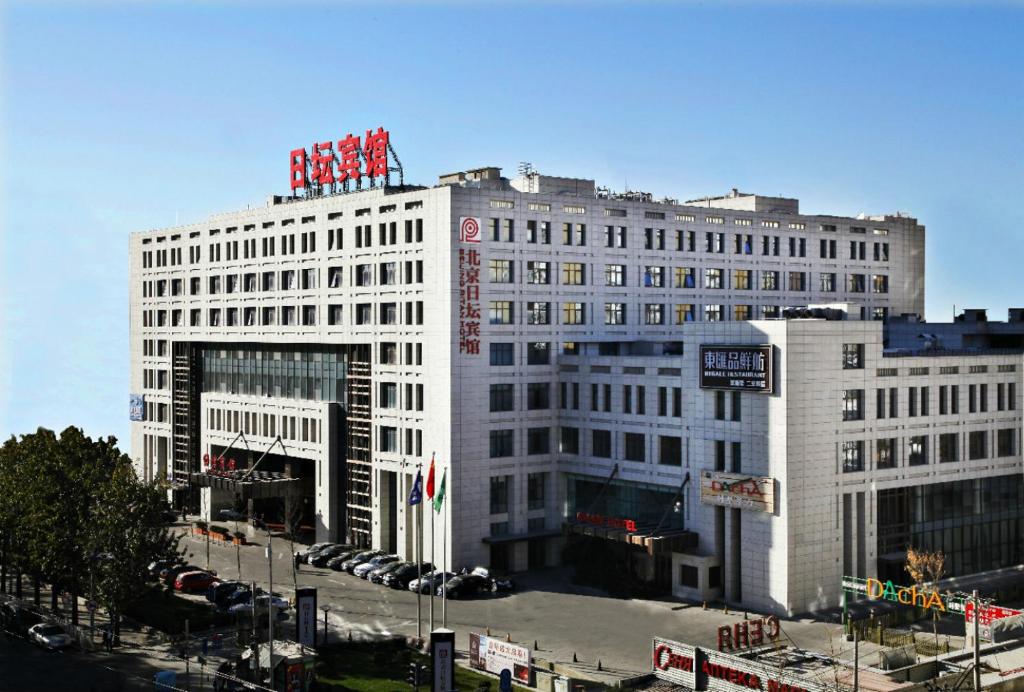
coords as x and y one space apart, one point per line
562 618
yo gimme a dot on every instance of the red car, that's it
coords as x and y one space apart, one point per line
194 581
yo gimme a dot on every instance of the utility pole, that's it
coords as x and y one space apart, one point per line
255 636
977 643
188 680
856 660
270 604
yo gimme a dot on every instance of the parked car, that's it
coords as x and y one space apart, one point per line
157 565
49 636
428 582
303 555
262 607
362 571
336 562
17 618
350 564
222 587
400 577
377 574
169 574
232 515
194 581
500 583
241 594
320 558
464 585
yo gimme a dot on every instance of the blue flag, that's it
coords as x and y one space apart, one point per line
416 495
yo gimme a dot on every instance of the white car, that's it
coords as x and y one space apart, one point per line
49 636
281 605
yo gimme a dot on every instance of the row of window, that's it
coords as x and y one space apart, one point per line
363 237
502 488
387 274
918 400
400 440
286 315
915 449
155 379
294 428
575 234
627 446
502 271
389 396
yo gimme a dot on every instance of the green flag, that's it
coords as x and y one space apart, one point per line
439 498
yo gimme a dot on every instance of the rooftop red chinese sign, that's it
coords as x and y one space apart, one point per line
330 166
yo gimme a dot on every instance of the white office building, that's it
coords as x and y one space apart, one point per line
541 338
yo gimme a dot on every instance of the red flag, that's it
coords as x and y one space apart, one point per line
430 479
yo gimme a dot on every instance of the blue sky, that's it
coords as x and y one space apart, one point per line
122 117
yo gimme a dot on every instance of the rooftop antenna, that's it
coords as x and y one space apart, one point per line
526 169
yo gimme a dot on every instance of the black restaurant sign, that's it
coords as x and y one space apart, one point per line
742 368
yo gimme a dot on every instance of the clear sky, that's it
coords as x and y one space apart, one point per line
123 117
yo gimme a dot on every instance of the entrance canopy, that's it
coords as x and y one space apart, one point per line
258 484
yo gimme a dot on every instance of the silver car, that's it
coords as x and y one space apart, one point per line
49 636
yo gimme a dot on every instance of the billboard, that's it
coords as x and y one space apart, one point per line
737 490
739 368
136 406
305 616
495 655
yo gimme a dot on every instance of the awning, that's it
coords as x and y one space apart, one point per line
259 484
645 537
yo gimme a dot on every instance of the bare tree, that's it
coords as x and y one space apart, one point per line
926 567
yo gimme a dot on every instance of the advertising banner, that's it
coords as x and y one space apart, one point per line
737 490
469 229
741 368
136 406
989 614
495 655
442 659
305 615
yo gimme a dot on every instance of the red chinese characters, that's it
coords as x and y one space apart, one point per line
469 302
329 162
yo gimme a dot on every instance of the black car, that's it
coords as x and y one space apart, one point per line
319 559
404 573
222 587
156 566
376 576
358 559
465 586
17 618
337 561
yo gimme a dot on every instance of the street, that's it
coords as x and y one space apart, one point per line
562 618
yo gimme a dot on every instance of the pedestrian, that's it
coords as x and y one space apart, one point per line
298 562
108 640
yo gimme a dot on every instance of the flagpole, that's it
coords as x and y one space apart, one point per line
432 513
444 544
418 551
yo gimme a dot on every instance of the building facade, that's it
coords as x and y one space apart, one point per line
310 356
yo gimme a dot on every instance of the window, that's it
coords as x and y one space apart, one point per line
633 444
538 396
573 274
502 230
654 277
499 494
977 444
537 353
972 398
917 450
538 313
573 313
737 408
853 404
1005 439
712 313
500 312
614 275
502 397
983 397
741 279
828 282
719 405
499 271
569 442
853 356
536 490
501 354
853 456
954 399
879 283
741 312
654 313
712 278
682 277
309 315
654 238
797 281
502 443
689 576
614 313
538 441
769 281
684 313
885 454
388 439
670 450
389 313
949 447
912 402
601 443
537 273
